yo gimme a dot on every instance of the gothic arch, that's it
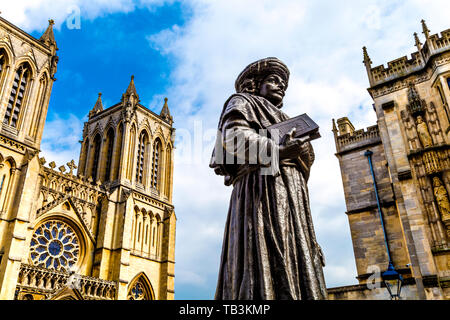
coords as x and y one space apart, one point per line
20 92
168 169
143 145
83 165
157 162
118 151
109 125
140 288
41 102
7 174
5 65
9 53
95 156
27 60
131 151
11 161
107 152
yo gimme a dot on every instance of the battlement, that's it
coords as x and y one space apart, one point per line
434 44
346 140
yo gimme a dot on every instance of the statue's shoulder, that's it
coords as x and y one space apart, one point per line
239 100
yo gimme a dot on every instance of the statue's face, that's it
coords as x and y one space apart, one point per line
419 119
273 88
437 182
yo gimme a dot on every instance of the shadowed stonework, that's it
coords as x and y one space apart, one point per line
411 152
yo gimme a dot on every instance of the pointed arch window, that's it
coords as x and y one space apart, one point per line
131 147
97 142
6 172
141 157
168 167
156 163
39 106
83 165
109 153
2 61
17 96
118 153
140 289
3 64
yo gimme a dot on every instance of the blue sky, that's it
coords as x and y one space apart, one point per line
191 52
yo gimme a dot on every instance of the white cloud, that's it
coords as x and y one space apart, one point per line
60 139
33 14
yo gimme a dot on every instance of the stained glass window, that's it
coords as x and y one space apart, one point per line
55 245
139 291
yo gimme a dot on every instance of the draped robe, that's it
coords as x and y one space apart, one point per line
269 246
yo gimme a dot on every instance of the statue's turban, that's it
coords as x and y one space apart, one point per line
261 68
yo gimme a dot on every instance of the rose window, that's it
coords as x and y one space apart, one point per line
55 246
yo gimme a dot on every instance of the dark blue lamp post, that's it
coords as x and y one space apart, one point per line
391 278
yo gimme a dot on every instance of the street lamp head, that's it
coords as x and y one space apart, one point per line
393 281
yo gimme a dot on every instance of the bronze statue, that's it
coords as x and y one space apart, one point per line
424 134
269 247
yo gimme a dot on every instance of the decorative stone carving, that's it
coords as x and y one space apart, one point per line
441 195
424 134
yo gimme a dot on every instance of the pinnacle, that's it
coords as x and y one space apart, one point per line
165 113
131 87
49 37
97 107
425 29
366 56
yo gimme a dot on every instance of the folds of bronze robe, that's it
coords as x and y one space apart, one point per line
269 246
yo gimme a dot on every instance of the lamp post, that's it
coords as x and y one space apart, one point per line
391 278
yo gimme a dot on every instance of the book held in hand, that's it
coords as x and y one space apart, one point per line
303 124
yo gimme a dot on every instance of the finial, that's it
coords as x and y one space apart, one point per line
97 107
334 126
367 60
425 29
131 87
48 37
165 113
417 41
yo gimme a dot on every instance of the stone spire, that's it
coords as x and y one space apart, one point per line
131 94
417 41
48 38
425 29
368 63
165 113
98 106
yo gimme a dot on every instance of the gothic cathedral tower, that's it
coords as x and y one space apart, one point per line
105 232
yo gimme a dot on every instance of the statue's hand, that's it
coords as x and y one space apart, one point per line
290 147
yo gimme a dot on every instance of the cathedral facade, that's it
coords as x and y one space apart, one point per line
396 176
105 231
